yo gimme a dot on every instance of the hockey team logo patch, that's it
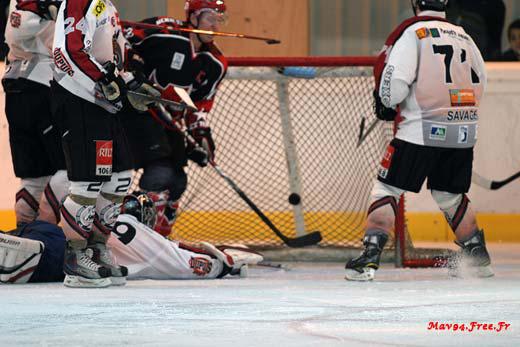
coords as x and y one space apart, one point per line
462 97
178 61
386 162
438 133
200 266
104 158
15 19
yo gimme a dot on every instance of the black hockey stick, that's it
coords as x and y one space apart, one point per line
311 238
362 134
492 185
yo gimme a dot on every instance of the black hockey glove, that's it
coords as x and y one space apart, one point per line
139 84
383 112
49 8
113 86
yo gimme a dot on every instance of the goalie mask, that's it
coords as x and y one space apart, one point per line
139 205
432 5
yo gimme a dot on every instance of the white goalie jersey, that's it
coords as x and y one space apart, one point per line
446 77
29 37
149 255
88 35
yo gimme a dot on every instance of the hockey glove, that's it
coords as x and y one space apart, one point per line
113 86
49 8
383 112
139 84
201 132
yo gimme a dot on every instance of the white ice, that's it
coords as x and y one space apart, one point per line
307 305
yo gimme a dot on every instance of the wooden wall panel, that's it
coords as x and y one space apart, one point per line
286 20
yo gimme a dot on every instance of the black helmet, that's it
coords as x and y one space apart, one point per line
433 5
139 205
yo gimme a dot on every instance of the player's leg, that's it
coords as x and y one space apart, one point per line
54 194
108 205
151 147
449 185
404 168
87 146
164 182
28 115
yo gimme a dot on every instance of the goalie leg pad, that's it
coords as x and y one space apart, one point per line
19 258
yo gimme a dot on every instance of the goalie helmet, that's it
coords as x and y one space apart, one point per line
433 5
198 6
139 205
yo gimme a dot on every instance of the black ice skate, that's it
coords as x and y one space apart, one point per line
473 258
103 256
82 272
363 268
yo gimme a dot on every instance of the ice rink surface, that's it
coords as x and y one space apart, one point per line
305 305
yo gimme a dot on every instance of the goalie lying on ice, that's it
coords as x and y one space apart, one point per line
147 254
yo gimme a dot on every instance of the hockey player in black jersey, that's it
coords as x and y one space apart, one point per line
189 61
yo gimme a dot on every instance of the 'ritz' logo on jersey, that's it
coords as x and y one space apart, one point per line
62 63
99 8
386 162
104 158
438 132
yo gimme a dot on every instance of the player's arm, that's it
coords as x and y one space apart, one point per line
479 66
75 34
398 75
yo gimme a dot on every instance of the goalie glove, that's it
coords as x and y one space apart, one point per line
382 112
19 258
113 86
201 133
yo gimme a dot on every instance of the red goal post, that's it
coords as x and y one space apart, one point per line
282 131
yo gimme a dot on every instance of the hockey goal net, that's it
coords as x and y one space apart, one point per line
292 126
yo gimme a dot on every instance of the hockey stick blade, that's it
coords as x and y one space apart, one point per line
177 106
301 241
492 185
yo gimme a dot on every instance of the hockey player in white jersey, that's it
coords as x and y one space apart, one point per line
433 73
35 142
89 90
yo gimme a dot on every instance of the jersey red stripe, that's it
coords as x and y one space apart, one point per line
75 40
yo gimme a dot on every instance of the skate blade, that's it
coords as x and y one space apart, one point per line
83 282
118 281
368 274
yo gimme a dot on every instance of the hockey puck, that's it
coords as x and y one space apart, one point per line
294 199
